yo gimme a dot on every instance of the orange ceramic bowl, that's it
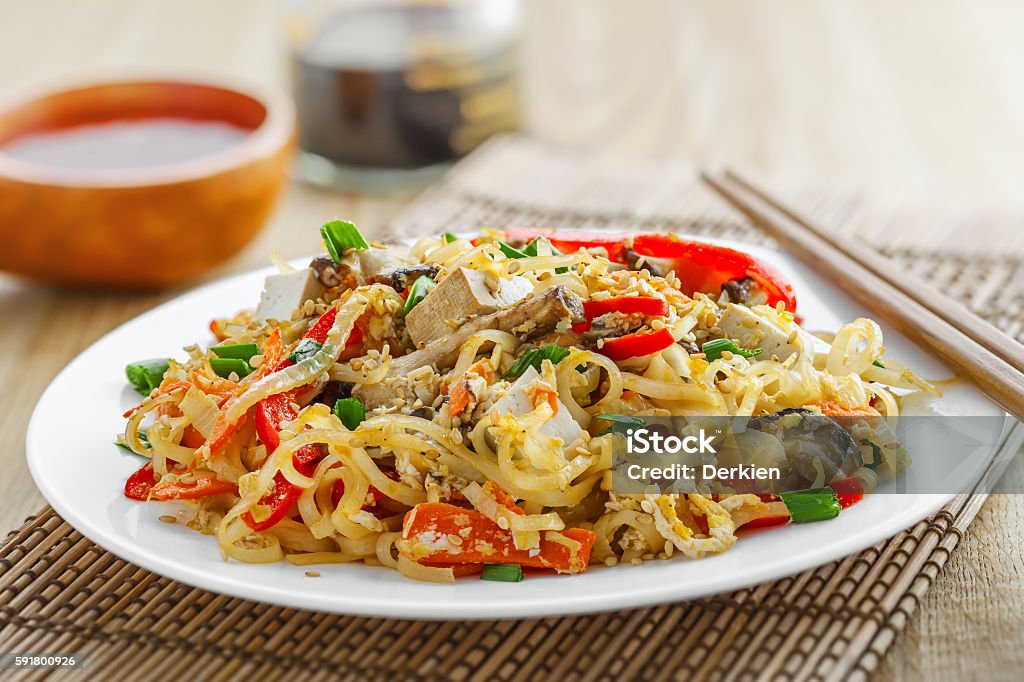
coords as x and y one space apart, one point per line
143 227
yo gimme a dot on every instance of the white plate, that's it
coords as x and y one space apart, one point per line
81 473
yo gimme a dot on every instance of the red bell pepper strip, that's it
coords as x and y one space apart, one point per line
271 413
706 267
139 484
142 486
627 305
636 344
849 491
338 490
283 496
700 266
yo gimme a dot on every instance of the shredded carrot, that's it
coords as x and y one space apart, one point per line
166 386
215 386
541 394
503 498
203 486
273 352
482 368
460 394
458 398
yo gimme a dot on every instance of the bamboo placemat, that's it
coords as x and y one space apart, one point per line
61 593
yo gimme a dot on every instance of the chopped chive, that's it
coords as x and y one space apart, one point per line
502 573
306 349
449 238
350 411
534 358
713 349
878 363
619 419
145 375
238 351
340 236
816 504
418 291
224 367
622 419
877 452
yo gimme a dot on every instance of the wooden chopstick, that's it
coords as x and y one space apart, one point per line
952 311
899 309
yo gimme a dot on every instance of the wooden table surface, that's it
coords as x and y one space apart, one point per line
916 99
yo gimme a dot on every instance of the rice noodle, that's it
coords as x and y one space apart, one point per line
424 441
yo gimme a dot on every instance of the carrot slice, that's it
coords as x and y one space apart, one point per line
439 533
834 409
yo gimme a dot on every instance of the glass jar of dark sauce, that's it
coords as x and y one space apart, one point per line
389 94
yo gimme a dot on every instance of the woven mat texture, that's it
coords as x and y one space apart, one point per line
61 593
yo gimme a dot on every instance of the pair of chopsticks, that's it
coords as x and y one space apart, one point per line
976 350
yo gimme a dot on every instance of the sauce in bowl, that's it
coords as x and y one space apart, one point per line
138 184
124 144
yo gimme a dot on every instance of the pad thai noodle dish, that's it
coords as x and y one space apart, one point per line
450 407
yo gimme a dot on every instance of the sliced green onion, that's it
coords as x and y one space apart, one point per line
350 411
306 349
239 351
816 504
510 251
713 349
878 363
224 367
502 573
418 291
622 419
877 452
339 236
534 358
449 238
145 375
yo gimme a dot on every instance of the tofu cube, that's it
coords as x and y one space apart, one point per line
285 292
517 403
462 293
751 330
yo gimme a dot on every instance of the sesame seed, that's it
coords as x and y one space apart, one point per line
168 519
312 574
